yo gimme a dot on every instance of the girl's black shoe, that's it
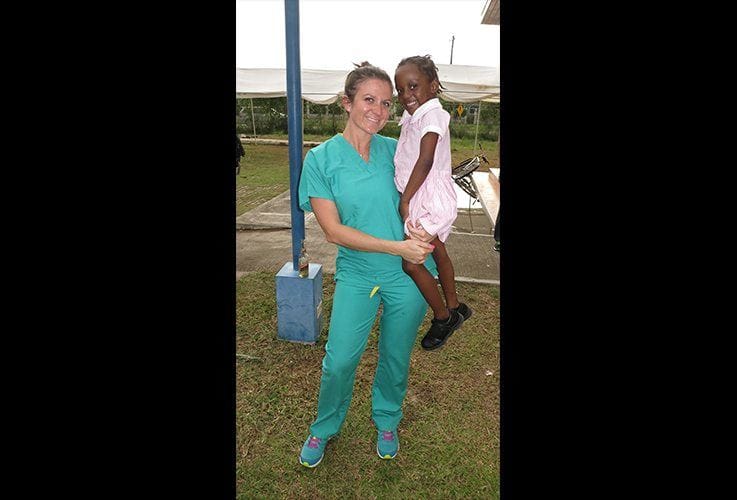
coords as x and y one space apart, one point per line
463 310
439 331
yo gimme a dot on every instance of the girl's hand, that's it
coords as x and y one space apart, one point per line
415 251
419 233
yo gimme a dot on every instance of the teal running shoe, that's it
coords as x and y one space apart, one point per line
312 451
387 444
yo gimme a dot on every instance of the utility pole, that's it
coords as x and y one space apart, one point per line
452 41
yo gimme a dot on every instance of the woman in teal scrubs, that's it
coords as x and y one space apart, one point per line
348 182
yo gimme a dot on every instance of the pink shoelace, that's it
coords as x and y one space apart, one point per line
314 442
387 436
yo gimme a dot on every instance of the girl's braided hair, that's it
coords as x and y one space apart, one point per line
426 65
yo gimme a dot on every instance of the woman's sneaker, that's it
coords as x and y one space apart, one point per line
463 310
312 451
387 444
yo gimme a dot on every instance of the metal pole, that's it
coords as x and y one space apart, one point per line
476 139
452 42
253 120
294 123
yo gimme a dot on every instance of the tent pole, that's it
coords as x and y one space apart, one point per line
476 138
253 120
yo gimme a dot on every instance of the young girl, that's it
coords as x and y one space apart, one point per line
428 202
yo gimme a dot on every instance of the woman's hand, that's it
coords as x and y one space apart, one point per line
419 233
414 251
335 232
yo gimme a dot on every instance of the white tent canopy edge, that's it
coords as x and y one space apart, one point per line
462 83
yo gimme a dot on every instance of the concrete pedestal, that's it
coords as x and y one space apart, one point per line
299 304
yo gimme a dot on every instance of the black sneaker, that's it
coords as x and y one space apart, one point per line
439 331
463 310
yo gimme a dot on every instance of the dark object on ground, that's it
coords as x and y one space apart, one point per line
239 152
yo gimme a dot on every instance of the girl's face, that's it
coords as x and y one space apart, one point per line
369 109
414 88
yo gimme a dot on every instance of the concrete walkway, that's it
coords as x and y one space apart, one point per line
264 240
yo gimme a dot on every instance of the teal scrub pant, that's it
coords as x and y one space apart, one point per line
353 315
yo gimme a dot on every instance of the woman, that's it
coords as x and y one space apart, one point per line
348 182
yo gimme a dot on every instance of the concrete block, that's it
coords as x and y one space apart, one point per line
299 304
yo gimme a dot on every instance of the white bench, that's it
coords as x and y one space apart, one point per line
487 186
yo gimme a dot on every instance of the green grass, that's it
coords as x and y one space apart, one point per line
460 149
264 174
449 435
265 168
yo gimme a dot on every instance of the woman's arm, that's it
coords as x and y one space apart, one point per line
419 172
335 232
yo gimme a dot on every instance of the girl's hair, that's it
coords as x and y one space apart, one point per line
361 73
424 64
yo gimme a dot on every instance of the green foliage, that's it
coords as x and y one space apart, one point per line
391 129
270 116
463 125
323 119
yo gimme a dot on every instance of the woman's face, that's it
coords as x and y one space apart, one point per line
369 109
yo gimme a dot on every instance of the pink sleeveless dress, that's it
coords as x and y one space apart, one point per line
434 205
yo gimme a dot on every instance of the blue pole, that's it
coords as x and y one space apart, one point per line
294 123
298 299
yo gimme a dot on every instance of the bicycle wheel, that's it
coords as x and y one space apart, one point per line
466 167
467 187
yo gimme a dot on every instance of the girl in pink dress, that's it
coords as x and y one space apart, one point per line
428 203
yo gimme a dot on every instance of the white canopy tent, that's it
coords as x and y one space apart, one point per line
319 86
469 83
462 83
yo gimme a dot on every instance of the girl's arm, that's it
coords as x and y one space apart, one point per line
419 172
335 232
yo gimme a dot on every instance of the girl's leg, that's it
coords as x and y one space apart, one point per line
439 332
446 274
428 286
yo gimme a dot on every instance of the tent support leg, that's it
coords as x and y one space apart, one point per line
476 138
253 120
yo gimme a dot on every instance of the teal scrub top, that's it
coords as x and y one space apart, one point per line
365 196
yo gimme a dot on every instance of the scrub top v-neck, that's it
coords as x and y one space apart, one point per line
364 194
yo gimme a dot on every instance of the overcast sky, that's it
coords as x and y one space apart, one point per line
336 33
